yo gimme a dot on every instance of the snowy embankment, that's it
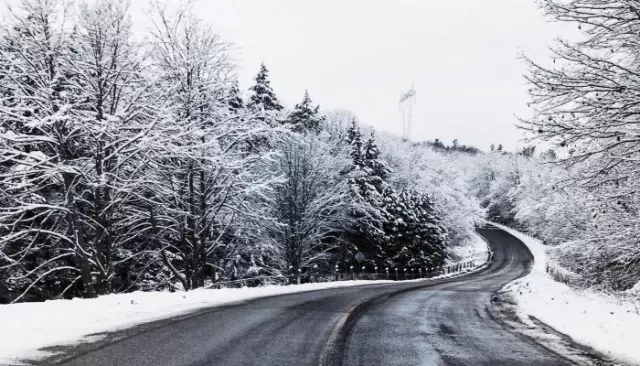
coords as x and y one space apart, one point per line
26 328
605 323
476 250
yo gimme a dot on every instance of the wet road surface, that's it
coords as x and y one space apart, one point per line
442 322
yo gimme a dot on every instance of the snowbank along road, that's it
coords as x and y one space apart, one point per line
441 322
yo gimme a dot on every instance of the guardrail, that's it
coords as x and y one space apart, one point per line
362 273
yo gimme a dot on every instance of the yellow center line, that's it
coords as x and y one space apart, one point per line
326 354
508 265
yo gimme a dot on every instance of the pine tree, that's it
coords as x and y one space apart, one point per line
305 116
416 237
234 99
354 138
395 229
379 168
263 99
432 237
367 184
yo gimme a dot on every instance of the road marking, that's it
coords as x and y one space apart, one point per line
326 358
328 355
507 267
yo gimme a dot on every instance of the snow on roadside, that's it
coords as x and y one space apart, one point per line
603 322
476 250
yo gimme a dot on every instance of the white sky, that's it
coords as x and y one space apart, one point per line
362 55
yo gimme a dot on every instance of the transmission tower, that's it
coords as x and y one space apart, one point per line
407 101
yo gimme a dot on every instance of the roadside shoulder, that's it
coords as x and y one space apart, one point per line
586 327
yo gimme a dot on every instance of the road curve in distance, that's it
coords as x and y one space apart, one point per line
449 323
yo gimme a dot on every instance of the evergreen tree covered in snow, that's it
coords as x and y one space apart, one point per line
395 229
431 238
378 168
354 139
305 117
415 233
367 185
263 98
234 99
265 107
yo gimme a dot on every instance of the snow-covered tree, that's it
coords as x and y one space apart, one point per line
367 185
235 98
309 208
586 100
305 117
42 147
378 168
202 174
90 162
585 103
116 111
137 166
263 99
444 175
415 233
354 138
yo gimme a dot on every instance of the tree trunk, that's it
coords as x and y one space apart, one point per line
82 260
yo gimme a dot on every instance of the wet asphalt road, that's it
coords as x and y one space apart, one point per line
444 322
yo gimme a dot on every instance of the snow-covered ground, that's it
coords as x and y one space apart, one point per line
475 250
605 323
25 328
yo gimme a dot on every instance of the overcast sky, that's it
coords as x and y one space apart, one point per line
362 54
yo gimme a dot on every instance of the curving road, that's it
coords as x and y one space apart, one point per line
443 322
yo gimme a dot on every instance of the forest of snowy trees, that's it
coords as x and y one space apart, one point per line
140 165
581 196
